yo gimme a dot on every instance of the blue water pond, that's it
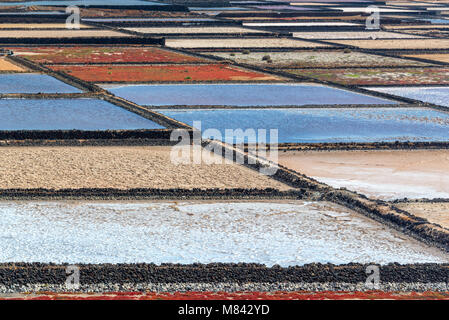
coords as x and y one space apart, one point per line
436 95
33 83
68 114
319 125
240 95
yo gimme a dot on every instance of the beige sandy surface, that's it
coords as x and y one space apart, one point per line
434 212
354 35
385 175
397 43
297 18
442 57
241 43
406 3
196 30
37 26
5 65
118 167
60 33
300 24
422 26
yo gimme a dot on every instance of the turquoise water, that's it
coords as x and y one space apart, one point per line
33 83
240 95
68 114
319 125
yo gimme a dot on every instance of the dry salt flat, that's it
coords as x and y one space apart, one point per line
242 43
193 30
397 43
7 66
321 59
38 26
354 35
386 175
435 212
439 57
300 24
286 233
122 168
423 26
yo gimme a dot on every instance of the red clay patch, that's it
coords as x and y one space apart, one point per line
326 295
102 55
162 73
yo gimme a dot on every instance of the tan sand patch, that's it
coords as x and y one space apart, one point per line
385 175
397 44
442 57
434 212
119 167
5 65
422 26
354 35
38 26
204 30
241 43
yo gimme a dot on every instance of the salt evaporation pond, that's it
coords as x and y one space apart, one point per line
240 95
83 3
146 19
33 83
284 232
320 125
68 114
436 95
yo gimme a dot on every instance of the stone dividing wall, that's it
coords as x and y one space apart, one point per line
33 277
151 194
283 147
81 134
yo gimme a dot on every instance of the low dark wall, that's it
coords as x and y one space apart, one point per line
148 193
30 18
80 134
37 273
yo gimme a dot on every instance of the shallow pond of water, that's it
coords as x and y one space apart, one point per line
284 233
81 3
33 83
319 125
68 114
436 95
240 94
147 19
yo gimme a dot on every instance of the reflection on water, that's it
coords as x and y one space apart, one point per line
68 114
81 3
240 95
436 95
33 83
327 124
